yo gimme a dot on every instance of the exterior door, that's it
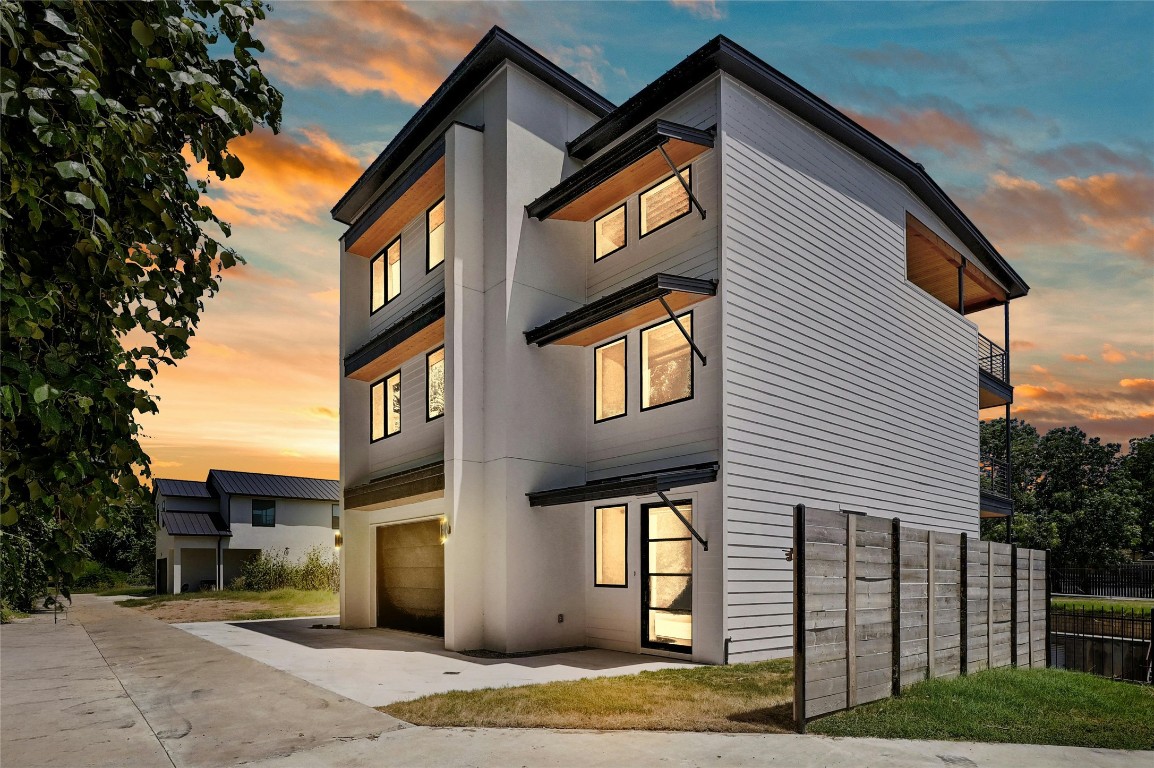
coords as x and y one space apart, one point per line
667 578
162 576
411 578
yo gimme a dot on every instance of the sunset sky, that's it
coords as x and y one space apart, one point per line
1035 118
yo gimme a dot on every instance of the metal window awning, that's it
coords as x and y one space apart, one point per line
425 480
637 484
418 188
645 301
422 328
653 152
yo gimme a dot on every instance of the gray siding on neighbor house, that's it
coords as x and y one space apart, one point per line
845 385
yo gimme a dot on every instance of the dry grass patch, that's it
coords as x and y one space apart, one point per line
740 698
231 605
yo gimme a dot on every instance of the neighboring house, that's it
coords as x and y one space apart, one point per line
519 406
205 531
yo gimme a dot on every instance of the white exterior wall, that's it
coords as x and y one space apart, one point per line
300 526
845 385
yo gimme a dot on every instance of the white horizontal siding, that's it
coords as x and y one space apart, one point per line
845 386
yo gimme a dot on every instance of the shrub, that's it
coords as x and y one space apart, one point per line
266 572
94 576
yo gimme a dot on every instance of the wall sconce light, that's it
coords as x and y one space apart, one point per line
446 529
337 540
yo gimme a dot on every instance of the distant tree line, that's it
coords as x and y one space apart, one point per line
1084 500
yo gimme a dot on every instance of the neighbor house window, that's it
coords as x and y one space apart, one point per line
263 513
336 517
385 416
435 384
664 203
666 363
609 380
609 545
386 270
609 233
435 231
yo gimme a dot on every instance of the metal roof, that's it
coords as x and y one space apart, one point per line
275 486
192 524
194 489
404 328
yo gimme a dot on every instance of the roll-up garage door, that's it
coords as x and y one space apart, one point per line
411 578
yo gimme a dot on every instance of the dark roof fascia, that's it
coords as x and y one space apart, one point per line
416 481
995 385
617 303
723 54
418 168
637 484
613 162
996 504
496 47
405 328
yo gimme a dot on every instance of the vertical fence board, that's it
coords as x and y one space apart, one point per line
851 610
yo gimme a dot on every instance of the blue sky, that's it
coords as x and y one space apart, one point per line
1035 117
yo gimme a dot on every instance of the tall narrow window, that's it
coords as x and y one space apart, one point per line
385 415
666 363
609 380
435 384
609 233
379 280
393 257
609 544
664 203
435 231
264 513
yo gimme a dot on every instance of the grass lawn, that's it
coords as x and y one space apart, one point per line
740 697
229 605
1097 603
1036 706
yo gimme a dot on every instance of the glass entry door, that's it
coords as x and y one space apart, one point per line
667 582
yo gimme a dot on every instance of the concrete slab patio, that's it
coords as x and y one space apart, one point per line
381 666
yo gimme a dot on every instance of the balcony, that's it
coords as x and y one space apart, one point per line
993 375
994 478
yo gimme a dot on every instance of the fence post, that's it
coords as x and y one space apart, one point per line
1030 609
1013 606
1049 597
850 611
989 605
930 617
799 616
963 603
896 606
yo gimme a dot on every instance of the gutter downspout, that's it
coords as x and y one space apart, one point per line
219 564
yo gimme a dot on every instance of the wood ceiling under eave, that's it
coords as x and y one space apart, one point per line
417 199
932 265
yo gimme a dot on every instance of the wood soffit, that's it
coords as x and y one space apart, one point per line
417 199
932 264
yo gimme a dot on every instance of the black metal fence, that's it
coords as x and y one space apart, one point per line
992 359
1132 580
995 476
1114 643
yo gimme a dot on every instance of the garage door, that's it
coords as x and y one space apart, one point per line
411 578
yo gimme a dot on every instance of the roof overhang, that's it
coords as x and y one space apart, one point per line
631 165
494 49
722 54
406 486
422 328
631 306
932 265
992 391
638 484
995 506
415 191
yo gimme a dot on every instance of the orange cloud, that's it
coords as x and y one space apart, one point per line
1076 358
1018 345
910 129
1112 354
389 48
1140 385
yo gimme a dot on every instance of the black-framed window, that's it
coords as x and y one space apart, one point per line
609 233
666 363
667 577
610 387
336 517
264 513
610 546
435 235
386 276
385 407
435 384
664 203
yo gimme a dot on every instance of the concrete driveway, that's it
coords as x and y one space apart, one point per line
381 666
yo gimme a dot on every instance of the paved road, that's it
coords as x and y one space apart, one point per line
111 687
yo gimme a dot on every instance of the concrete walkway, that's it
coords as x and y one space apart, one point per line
381 666
112 687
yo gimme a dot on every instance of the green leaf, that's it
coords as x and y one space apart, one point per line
78 199
165 65
9 517
70 169
143 33
41 393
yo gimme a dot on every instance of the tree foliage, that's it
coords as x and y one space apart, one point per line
108 253
1073 494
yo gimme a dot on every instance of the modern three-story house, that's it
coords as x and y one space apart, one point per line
593 355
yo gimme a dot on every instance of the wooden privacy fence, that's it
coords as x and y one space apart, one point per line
879 605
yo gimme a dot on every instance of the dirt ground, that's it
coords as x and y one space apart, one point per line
180 611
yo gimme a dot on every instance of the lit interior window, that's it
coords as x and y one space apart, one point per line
664 203
609 233
394 259
378 278
385 418
609 398
670 573
667 363
435 396
435 228
609 531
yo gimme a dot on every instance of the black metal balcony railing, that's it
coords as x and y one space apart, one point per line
992 359
995 474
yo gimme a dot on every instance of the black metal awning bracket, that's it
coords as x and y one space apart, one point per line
686 523
692 198
680 327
